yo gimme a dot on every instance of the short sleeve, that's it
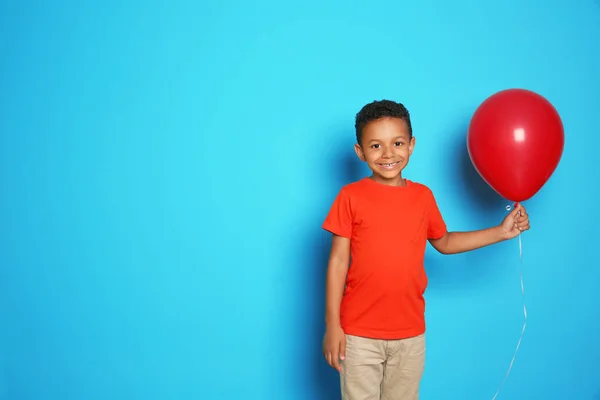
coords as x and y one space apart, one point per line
339 218
436 227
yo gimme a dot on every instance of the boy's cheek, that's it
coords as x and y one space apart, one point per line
373 155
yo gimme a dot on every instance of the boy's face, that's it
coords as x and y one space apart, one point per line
386 147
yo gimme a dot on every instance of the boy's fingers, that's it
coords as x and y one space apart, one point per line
328 359
518 210
515 212
523 214
336 360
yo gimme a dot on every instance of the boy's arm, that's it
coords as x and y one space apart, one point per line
334 342
339 260
458 242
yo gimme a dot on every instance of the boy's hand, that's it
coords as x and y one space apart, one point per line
334 346
515 222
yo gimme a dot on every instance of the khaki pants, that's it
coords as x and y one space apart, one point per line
382 369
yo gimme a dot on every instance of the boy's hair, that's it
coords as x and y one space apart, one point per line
380 109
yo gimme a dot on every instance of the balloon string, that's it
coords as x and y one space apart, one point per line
524 314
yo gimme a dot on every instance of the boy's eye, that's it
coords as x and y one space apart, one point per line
375 146
398 143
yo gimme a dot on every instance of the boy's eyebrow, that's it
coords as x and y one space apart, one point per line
396 138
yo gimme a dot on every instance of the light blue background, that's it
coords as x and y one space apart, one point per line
165 169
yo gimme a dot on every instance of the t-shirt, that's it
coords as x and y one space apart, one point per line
388 227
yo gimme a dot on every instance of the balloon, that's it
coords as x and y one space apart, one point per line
515 141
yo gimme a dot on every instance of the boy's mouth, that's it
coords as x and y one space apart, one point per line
389 165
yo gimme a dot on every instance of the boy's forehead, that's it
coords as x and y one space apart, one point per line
386 128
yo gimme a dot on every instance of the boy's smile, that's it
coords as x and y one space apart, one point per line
386 147
389 166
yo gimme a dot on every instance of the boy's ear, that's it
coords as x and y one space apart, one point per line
359 152
411 145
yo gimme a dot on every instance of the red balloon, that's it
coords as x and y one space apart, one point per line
515 141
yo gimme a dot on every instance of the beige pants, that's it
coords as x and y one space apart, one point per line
382 369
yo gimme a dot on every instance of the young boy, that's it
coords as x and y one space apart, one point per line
375 324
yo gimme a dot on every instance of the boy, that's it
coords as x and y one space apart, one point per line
375 324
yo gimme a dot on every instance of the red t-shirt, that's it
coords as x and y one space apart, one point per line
388 227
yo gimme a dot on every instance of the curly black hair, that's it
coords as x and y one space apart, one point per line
380 109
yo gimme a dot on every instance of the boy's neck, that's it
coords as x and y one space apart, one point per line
397 181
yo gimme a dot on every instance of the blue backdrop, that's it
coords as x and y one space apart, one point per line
165 169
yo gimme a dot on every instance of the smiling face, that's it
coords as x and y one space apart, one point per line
386 147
